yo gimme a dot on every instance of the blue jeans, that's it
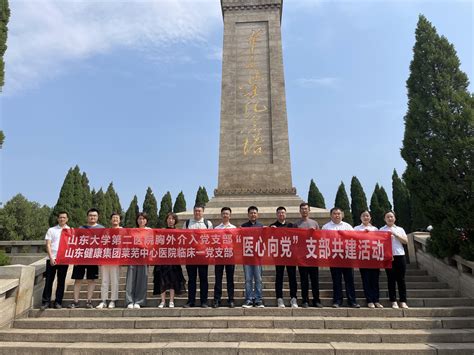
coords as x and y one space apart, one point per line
253 272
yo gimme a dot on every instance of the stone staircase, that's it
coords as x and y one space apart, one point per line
438 322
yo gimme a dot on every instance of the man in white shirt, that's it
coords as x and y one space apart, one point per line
229 269
197 222
53 236
336 223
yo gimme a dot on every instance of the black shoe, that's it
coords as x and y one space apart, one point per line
74 305
44 306
89 305
247 304
336 305
188 305
204 305
259 304
354 305
217 304
305 305
318 305
231 304
58 306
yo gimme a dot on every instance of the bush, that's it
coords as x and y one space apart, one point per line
466 247
4 259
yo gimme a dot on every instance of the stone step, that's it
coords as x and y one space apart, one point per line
326 301
322 285
263 312
239 335
233 348
251 322
270 293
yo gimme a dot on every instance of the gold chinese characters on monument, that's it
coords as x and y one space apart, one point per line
253 109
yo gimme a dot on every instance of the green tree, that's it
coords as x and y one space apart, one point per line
150 207
315 197
131 214
21 219
99 201
180 203
384 202
342 201
358 200
201 196
438 140
165 208
4 17
74 197
114 200
401 202
376 211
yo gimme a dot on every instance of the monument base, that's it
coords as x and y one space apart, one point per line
267 205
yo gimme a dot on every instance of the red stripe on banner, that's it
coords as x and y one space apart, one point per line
239 246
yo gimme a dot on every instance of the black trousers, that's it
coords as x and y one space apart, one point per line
336 274
51 271
291 271
229 272
370 282
396 276
309 274
193 271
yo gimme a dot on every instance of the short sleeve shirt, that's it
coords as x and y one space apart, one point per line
397 246
54 235
310 223
342 226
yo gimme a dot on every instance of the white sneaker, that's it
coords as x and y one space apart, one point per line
280 303
395 305
171 305
378 305
111 304
403 305
293 303
130 306
136 306
371 305
101 305
162 305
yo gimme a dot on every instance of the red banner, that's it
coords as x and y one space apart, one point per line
247 246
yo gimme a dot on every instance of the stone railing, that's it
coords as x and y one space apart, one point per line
460 274
23 252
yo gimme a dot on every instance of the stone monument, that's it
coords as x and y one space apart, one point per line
254 154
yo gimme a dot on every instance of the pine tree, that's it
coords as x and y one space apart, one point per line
384 203
150 207
342 202
401 202
166 207
201 196
114 200
315 197
205 197
4 17
99 202
180 203
130 220
358 200
438 141
376 211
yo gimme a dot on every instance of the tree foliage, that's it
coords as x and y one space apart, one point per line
342 202
75 198
376 210
401 202
150 207
438 140
4 18
166 207
131 214
201 196
180 203
21 219
358 200
315 197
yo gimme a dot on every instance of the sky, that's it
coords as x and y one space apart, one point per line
130 92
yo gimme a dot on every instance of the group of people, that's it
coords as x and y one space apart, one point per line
170 278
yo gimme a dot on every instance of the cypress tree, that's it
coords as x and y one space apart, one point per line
130 220
205 197
342 201
376 211
65 199
4 17
113 199
201 196
180 203
315 197
165 208
384 203
99 202
438 141
86 192
150 207
401 202
358 200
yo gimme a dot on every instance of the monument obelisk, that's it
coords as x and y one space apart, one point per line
254 154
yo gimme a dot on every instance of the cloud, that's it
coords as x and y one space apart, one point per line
47 35
331 82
